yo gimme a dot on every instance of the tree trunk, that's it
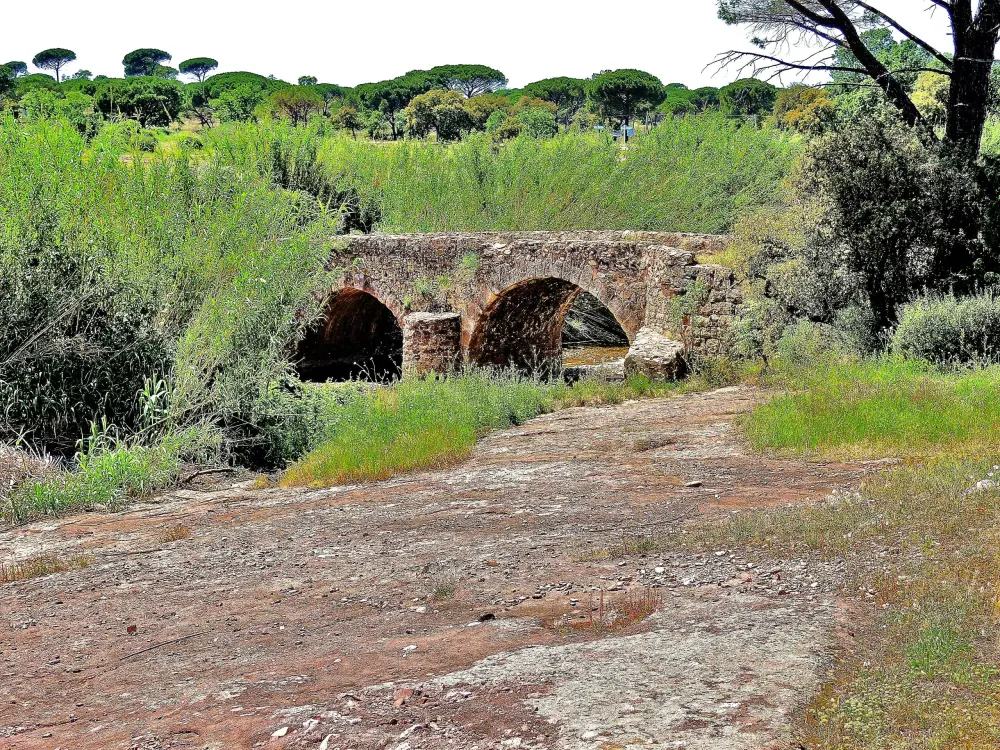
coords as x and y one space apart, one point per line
968 99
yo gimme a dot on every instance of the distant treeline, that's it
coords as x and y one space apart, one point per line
448 100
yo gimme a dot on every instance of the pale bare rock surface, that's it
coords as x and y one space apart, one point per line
729 680
351 616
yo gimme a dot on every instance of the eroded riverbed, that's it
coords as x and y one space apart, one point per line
444 609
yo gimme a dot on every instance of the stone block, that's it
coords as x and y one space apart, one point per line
432 343
654 355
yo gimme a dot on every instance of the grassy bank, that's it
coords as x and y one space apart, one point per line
921 666
348 432
109 473
879 408
420 424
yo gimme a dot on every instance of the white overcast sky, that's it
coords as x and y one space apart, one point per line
361 40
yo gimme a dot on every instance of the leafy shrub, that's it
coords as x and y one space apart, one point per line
190 141
124 136
71 354
538 123
153 101
75 343
903 215
145 141
114 271
875 217
950 330
806 345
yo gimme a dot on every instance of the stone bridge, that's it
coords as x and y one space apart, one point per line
435 301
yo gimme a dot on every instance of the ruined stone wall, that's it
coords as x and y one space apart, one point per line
646 279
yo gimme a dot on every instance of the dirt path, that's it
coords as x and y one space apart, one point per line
449 609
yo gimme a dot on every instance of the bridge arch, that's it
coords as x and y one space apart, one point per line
358 337
523 326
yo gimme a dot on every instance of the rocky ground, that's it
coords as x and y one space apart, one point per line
474 607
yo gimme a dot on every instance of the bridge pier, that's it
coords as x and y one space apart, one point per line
432 343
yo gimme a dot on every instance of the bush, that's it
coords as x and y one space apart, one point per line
153 101
903 215
70 352
807 345
145 141
117 270
950 330
538 123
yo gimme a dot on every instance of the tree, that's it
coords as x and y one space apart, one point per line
145 62
440 111
330 92
392 97
747 97
151 101
81 75
33 81
803 108
538 122
38 105
903 59
568 94
681 100
199 67
469 80
53 59
839 25
625 93
6 80
930 94
481 108
17 68
909 215
214 86
165 71
232 97
239 103
347 118
308 80
296 103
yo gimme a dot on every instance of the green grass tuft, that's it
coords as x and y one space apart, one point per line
423 424
879 408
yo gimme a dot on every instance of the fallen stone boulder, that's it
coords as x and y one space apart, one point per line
654 355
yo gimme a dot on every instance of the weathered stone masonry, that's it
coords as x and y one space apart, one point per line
501 298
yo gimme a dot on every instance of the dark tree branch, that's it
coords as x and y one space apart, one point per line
838 25
816 18
940 57
942 4
728 58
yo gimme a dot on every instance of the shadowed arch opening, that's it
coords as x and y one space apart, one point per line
526 326
592 334
357 338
